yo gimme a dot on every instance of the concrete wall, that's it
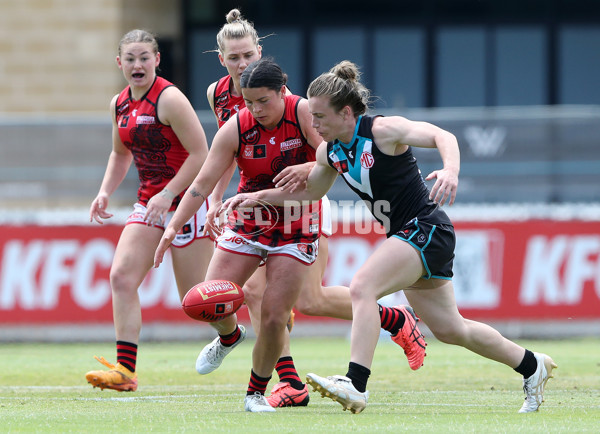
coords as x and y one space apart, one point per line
59 55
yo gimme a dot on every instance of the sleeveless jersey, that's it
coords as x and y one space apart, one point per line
157 152
225 104
262 154
391 186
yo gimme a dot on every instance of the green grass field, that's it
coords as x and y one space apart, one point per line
43 389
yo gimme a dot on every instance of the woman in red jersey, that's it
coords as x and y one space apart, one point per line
155 126
272 132
238 46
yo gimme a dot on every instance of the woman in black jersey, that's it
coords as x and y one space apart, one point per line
373 155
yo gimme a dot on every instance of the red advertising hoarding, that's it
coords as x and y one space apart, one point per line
523 270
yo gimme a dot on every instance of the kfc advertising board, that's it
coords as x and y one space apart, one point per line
529 270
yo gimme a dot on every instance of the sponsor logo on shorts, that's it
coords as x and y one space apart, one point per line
307 249
237 240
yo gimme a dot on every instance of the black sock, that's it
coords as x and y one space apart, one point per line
359 376
528 365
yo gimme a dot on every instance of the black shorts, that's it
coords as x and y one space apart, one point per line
436 244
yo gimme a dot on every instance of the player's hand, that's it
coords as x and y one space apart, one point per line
294 177
157 209
164 244
98 209
242 200
445 187
213 226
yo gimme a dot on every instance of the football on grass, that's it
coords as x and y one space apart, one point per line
213 300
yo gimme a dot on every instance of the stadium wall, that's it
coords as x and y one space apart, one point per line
59 55
531 276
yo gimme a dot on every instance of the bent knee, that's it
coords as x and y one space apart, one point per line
308 306
450 335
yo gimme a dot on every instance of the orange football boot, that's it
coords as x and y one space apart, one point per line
118 377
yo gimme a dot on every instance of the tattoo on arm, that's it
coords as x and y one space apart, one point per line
196 193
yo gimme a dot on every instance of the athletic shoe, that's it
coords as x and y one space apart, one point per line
257 403
534 385
118 377
410 338
290 323
211 357
284 395
340 389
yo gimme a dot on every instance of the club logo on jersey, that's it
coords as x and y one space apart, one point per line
251 136
255 151
341 166
144 120
290 144
122 109
124 121
222 99
367 160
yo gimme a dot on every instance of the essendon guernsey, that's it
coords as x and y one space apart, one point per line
157 152
262 154
225 104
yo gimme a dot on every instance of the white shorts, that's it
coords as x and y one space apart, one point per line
326 226
190 231
234 243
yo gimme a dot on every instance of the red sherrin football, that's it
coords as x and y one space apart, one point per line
213 300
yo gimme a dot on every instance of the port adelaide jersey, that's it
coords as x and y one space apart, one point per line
390 185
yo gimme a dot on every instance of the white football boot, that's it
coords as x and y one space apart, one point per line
257 403
212 355
340 389
534 385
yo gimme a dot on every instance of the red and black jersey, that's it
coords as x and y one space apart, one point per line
226 105
157 152
262 154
